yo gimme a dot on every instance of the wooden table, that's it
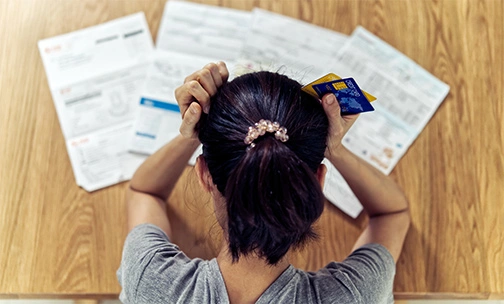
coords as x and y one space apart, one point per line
56 240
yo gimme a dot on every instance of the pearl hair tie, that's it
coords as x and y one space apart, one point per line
264 126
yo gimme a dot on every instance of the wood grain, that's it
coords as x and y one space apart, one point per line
58 240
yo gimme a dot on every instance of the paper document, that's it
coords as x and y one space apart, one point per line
203 30
158 116
292 47
95 76
337 191
407 95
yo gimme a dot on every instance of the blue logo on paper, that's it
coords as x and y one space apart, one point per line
159 104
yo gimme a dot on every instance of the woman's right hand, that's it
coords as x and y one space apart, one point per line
193 97
338 125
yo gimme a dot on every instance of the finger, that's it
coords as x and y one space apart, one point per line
219 72
214 70
207 82
351 117
349 120
189 92
193 76
223 71
188 125
200 94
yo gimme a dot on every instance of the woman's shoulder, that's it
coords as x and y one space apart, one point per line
366 276
153 267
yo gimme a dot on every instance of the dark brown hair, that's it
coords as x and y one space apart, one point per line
271 190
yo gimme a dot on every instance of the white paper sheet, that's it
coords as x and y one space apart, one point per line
157 114
295 48
203 30
407 97
337 191
95 76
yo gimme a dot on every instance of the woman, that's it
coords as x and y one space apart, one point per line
263 144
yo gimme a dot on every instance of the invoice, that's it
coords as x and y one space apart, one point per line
95 75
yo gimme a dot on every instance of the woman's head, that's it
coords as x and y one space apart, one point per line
271 191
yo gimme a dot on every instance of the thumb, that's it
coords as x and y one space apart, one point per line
191 118
331 108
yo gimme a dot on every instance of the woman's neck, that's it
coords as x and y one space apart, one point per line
247 279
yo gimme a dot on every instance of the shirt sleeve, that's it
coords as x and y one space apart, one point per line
370 270
142 244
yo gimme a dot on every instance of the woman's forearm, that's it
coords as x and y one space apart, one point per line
160 172
378 193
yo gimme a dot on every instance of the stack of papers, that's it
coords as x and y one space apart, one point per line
114 93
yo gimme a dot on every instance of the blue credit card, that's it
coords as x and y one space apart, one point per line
347 92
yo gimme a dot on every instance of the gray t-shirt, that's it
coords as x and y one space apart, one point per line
154 270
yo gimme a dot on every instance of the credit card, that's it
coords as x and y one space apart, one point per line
350 97
327 78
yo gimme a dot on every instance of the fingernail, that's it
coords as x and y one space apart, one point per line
330 99
207 109
192 109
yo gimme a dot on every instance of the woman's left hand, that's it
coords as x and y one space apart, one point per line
193 96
